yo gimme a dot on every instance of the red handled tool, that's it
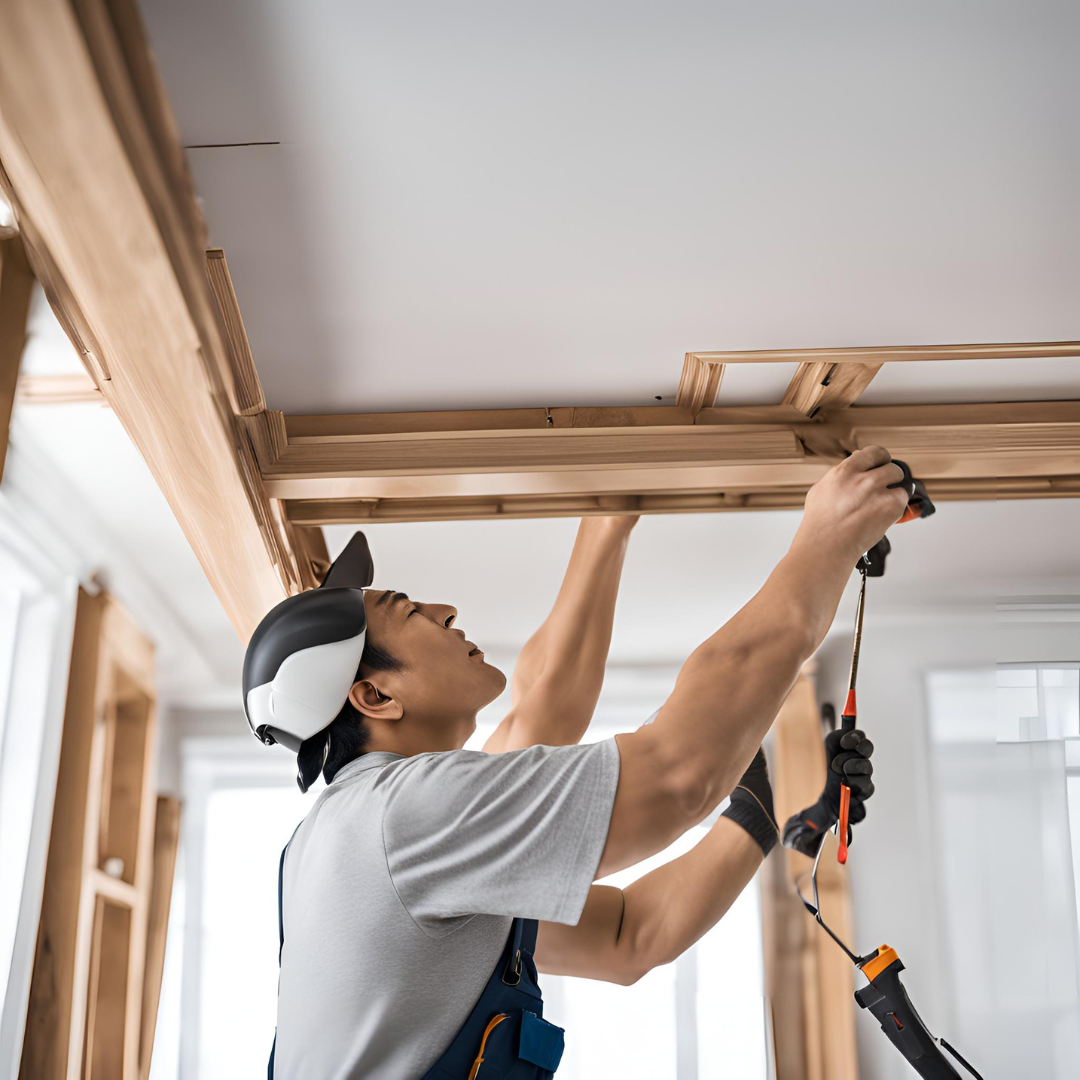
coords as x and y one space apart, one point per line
872 564
847 719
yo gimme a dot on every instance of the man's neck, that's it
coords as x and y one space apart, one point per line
411 738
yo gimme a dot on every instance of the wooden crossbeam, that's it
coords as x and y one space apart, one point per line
76 388
487 451
316 512
895 353
758 451
95 172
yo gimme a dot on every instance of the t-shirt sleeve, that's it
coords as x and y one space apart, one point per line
517 834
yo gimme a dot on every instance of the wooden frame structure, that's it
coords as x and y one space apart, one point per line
97 966
95 173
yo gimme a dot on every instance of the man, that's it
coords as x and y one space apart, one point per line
401 884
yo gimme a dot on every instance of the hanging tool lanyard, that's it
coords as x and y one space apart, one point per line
849 716
884 996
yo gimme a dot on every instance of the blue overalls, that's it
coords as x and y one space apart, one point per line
505 1036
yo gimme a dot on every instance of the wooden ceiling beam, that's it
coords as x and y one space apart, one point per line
895 353
754 447
308 513
114 237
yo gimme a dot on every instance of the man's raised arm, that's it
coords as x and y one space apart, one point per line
675 771
559 673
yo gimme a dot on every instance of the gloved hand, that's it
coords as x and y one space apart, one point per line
752 804
847 756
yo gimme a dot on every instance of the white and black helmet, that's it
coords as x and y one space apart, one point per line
302 659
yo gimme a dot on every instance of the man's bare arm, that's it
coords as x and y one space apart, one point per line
675 771
624 933
559 673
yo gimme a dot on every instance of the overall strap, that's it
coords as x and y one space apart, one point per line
522 943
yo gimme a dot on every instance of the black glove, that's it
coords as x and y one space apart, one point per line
752 804
847 754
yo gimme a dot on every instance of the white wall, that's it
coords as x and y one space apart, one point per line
895 881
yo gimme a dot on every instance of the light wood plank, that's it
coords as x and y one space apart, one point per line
16 284
820 383
247 388
166 841
114 244
490 451
881 354
357 511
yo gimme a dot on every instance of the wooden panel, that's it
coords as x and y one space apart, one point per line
699 384
166 840
52 990
671 480
248 390
822 383
895 353
16 284
495 451
109 235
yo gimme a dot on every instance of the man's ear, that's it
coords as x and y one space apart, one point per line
369 700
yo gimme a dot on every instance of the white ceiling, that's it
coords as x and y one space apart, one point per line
489 204
485 204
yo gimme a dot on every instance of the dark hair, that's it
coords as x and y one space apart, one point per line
346 736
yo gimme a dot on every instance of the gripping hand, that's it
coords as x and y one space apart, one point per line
847 755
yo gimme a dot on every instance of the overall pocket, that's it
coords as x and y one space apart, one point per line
518 1046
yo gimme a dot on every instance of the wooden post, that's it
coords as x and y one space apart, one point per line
809 981
166 839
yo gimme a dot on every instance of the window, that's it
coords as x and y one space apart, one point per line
1005 769
36 609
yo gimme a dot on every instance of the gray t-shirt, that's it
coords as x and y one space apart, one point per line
400 886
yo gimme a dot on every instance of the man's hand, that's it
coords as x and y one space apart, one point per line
847 758
852 505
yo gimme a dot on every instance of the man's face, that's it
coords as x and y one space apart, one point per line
443 677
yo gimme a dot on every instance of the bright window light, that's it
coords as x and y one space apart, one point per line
246 828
